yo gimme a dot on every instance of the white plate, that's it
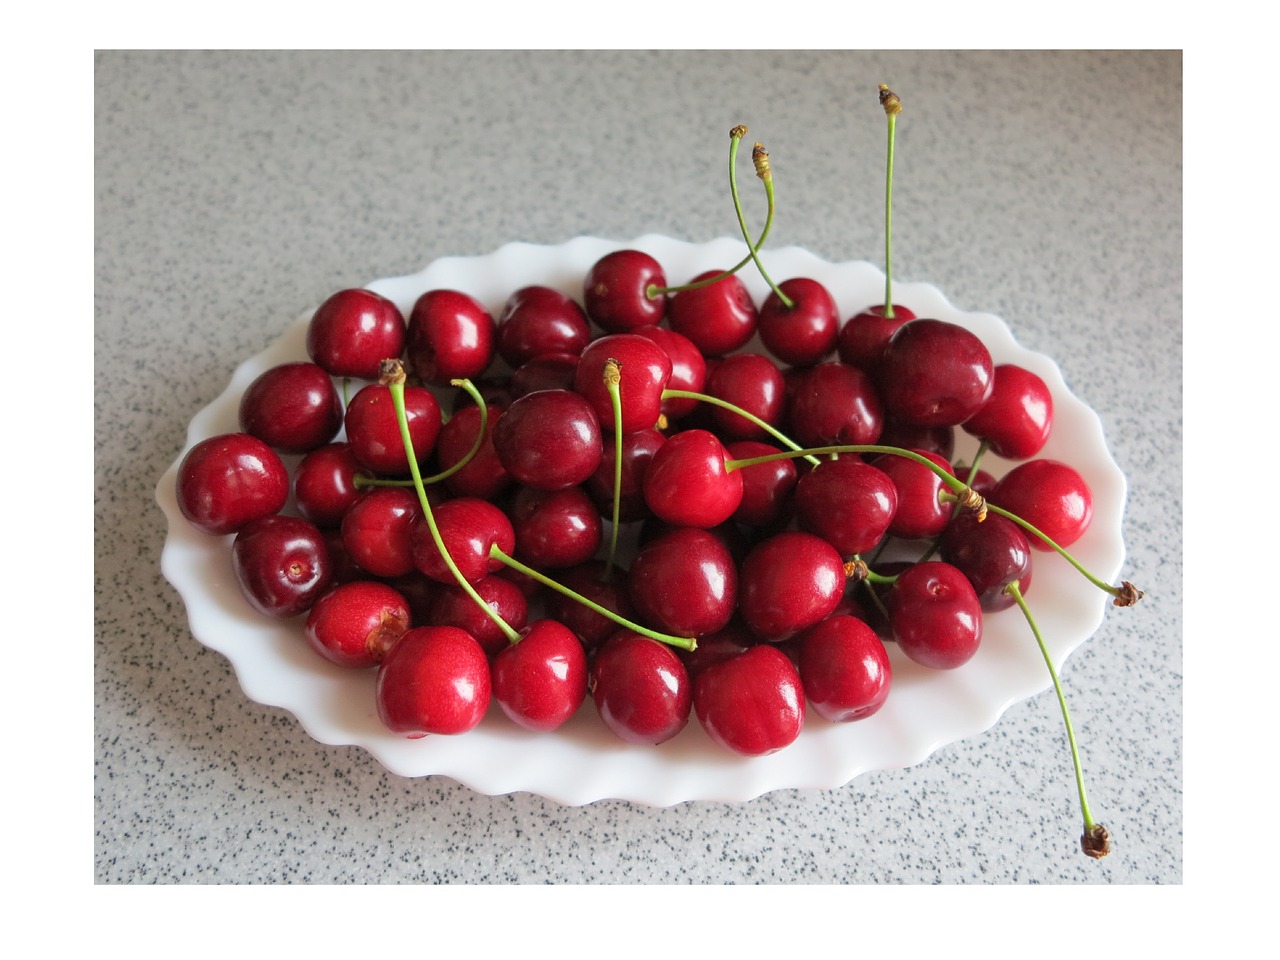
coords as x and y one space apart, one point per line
582 761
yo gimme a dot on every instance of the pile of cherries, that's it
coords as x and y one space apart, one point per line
747 584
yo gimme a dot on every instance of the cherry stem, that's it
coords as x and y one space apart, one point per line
892 107
734 408
1095 840
613 383
684 643
760 157
958 487
395 383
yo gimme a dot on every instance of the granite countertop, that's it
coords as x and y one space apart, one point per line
235 190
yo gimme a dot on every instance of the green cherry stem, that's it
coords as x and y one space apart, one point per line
734 408
613 383
760 157
892 107
1095 841
394 378
684 643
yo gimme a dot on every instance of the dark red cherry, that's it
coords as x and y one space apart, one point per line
435 680
541 681
684 582
787 583
862 339
920 514
688 483
469 529
324 484
537 320
752 703
292 407
227 481
644 369
1051 496
638 448
281 564
373 430
934 373
353 332
356 623
805 333
833 403
483 475
375 531
607 590
718 318
688 369
549 439
555 528
451 336
935 615
641 688
734 638
848 503
615 291
1016 419
753 382
549 371
899 433
845 669
451 606
992 553
767 488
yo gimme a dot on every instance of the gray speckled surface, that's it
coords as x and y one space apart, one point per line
235 190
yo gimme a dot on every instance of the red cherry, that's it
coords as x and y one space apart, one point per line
549 439
754 383
483 475
934 373
787 583
451 606
375 531
353 332
644 368
435 680
848 503
541 681
538 320
935 615
469 529
281 564
292 407
1016 419
805 333
549 371
992 553
451 336
555 528
638 448
718 318
324 484
767 488
862 339
227 481
688 368
845 669
728 642
752 703
833 403
373 429
1051 496
589 580
899 433
616 291
640 688
355 624
688 483
920 514
684 582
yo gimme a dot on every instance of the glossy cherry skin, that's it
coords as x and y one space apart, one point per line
451 606
224 482
992 553
469 529
548 371
538 320
375 531
848 503
555 528
644 369
935 615
688 368
752 703
731 640
767 488
934 373
281 564
640 688
899 433
293 407
805 333
324 486
541 681
354 624
689 484
718 318
549 439
1017 417
1051 496
920 514
684 582
638 448
607 590
845 669
787 583
615 291
753 382
833 403
483 475
353 332
373 430
862 339
435 680
451 336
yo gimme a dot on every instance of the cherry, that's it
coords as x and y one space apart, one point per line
355 624
353 332
845 669
718 318
644 369
899 433
752 382
483 475
541 680
787 583
435 680
375 531
767 488
935 615
640 688
684 582
734 638
555 528
374 432
1049 495
228 480
752 703
688 369
805 332
549 439
992 553
324 486
548 371
934 373
292 407
920 514
689 484
1016 419
469 528
538 320
451 606
599 583
281 564
451 336
848 503
834 403
863 337
638 448
616 291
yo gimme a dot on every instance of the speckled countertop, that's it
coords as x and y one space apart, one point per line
234 190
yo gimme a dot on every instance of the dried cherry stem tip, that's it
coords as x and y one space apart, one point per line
1096 841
